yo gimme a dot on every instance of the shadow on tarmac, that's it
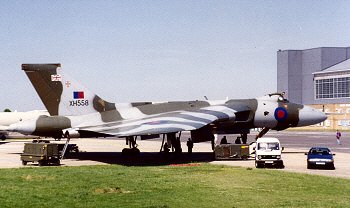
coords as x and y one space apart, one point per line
143 159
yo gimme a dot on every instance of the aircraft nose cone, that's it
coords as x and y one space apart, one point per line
310 116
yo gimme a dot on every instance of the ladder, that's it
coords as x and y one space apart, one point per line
65 147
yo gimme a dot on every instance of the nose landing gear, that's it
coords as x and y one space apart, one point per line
262 133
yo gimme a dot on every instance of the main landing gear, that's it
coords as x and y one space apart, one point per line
173 143
132 150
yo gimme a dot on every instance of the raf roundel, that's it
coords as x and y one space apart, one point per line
281 114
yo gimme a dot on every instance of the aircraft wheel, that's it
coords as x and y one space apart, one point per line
3 137
136 151
131 152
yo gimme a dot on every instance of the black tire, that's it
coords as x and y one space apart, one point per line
131 152
42 163
136 151
258 165
3 137
309 166
281 165
24 162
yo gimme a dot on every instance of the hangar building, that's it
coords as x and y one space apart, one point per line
318 77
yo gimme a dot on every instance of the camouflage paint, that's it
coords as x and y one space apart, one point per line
51 125
107 110
49 92
158 108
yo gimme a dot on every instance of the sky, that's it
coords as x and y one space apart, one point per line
128 51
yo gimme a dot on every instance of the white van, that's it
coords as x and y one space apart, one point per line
268 152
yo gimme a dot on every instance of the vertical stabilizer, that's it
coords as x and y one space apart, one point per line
61 94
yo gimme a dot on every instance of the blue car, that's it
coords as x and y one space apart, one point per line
320 157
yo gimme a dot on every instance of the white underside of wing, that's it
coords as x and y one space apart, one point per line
163 128
165 123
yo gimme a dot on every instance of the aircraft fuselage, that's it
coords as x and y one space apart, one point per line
269 111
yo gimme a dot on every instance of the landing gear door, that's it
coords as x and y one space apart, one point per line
203 134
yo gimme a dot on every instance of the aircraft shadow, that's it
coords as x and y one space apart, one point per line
143 159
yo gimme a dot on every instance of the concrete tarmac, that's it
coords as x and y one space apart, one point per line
108 151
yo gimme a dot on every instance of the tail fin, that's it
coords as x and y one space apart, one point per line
61 94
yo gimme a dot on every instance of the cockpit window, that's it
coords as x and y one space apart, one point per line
280 97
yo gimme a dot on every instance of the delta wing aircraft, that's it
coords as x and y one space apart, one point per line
77 112
8 118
